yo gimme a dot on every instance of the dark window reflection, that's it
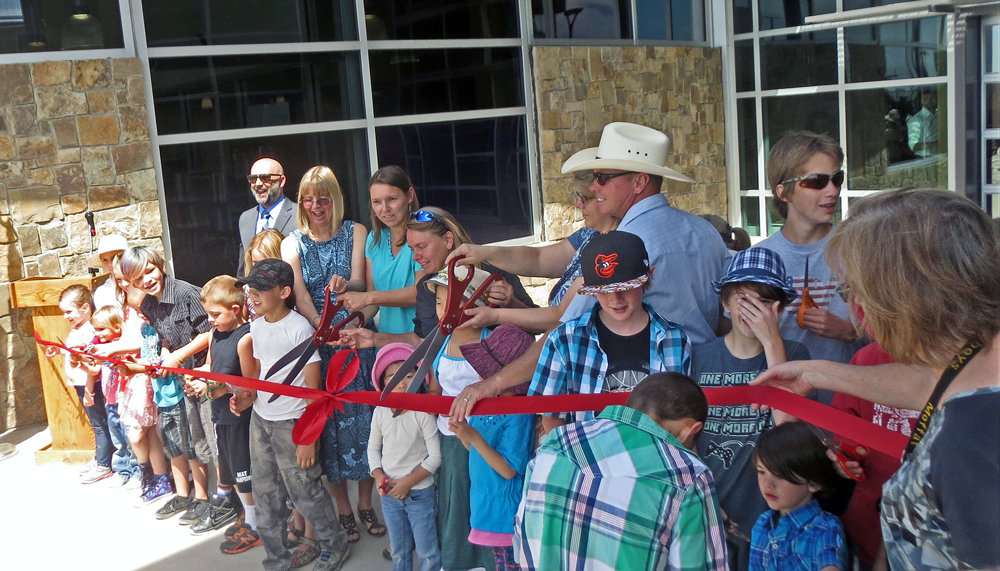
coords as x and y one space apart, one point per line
788 13
477 170
440 19
677 20
898 50
747 124
407 82
206 189
993 161
233 92
52 25
799 60
893 138
750 206
992 106
744 65
582 19
742 16
815 112
215 22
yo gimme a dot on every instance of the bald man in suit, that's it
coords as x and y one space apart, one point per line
273 210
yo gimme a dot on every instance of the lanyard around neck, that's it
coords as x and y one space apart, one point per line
951 371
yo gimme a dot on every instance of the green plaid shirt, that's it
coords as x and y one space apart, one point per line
618 492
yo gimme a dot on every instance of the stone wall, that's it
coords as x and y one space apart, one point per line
677 90
74 137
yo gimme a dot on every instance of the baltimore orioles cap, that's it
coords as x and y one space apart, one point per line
616 261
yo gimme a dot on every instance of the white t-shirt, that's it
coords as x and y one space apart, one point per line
106 294
80 337
453 375
398 445
270 342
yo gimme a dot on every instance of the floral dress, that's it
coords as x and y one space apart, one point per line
344 444
135 401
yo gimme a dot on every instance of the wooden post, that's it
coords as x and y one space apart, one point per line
72 438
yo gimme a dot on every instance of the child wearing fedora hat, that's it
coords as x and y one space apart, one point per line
499 447
620 341
404 452
754 292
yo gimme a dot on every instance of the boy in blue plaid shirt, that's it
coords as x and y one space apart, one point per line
618 343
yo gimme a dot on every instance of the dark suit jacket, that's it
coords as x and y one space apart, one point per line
284 223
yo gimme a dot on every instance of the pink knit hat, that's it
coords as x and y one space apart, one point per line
391 353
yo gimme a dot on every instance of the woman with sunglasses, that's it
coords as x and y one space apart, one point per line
805 172
391 272
327 250
924 274
560 260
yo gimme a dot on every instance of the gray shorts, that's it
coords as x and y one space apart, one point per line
175 432
202 430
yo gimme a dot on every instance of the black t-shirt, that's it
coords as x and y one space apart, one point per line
226 359
426 319
628 357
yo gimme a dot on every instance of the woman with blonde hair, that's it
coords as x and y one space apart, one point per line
921 272
327 250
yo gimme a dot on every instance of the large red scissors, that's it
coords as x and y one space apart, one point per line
843 455
326 332
454 315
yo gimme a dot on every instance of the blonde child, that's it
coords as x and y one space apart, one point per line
795 534
404 452
499 447
76 304
108 324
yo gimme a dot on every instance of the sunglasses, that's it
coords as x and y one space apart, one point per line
603 177
423 216
321 200
817 181
265 178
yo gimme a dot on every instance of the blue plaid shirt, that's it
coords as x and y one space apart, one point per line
806 539
572 361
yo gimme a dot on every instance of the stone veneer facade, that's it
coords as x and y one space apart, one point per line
74 137
677 90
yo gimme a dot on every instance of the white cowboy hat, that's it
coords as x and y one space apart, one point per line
627 147
109 243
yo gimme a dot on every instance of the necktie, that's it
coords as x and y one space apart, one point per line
263 222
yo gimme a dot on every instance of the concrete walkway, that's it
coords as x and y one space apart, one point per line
48 520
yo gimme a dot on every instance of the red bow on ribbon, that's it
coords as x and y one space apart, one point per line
310 424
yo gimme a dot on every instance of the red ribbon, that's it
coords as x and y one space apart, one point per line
310 424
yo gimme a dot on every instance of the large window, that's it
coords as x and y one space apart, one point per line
880 90
59 25
639 20
328 83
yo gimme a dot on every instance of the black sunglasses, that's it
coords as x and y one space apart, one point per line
604 177
266 178
423 216
817 181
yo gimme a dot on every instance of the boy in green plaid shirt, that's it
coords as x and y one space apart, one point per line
625 491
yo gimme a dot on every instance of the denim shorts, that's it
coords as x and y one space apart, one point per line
175 432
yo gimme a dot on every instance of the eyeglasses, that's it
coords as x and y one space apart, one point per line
603 177
321 200
265 178
843 290
584 199
423 216
817 181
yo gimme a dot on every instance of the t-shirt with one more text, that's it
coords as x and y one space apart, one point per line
628 357
270 342
730 434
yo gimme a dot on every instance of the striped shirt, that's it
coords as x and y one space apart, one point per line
618 492
178 317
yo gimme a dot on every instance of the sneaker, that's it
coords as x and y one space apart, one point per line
122 480
96 475
155 490
329 562
220 512
196 510
134 482
87 467
236 528
241 542
176 505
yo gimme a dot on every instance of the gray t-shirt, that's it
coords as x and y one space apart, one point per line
727 441
822 288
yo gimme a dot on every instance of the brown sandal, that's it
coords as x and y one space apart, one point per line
304 553
372 524
350 526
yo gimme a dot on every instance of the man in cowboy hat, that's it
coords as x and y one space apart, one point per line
629 166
